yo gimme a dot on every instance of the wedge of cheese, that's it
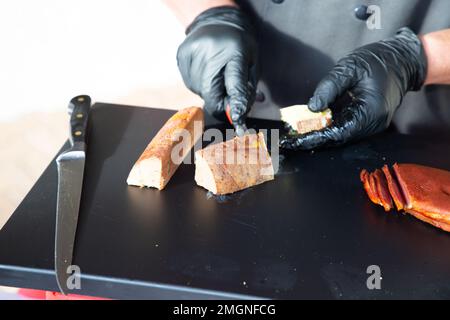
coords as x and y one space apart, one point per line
302 120
234 165
167 150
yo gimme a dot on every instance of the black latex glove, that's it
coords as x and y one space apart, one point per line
217 61
377 77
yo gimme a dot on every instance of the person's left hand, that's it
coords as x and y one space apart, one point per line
377 77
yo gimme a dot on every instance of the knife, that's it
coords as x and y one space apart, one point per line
241 129
70 181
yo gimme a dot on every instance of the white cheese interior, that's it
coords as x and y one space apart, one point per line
292 115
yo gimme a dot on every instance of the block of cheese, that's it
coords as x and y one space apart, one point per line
234 165
302 120
167 150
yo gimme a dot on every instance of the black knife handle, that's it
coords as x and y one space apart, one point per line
79 113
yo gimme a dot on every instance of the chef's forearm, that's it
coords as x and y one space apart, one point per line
187 10
437 48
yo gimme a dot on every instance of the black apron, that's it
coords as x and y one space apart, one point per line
301 40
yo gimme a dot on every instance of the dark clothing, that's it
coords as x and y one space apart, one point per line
301 40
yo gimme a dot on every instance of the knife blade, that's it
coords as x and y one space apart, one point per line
70 166
241 129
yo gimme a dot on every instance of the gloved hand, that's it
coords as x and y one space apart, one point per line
377 77
217 61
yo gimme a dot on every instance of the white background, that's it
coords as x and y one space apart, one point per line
51 50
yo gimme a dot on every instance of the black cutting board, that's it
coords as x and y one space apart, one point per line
311 233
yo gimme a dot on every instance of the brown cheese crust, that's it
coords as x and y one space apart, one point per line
156 165
312 125
234 165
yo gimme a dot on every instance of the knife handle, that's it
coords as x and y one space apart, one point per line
79 113
227 108
228 113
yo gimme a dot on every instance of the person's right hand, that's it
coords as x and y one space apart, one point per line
217 61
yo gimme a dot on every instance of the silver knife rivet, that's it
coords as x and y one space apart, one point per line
80 99
78 133
79 115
